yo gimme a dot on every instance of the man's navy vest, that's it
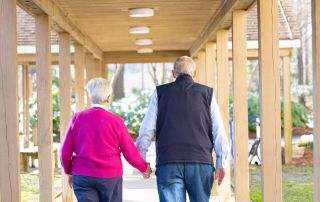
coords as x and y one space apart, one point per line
183 132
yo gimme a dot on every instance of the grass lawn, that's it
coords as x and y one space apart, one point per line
30 186
297 183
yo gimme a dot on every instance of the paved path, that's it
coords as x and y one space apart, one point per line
135 188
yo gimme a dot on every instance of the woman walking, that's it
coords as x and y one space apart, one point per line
91 150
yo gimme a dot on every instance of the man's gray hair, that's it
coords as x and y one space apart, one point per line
99 90
184 65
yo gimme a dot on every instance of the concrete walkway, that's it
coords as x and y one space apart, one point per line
137 189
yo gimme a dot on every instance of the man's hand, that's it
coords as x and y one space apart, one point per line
70 181
147 174
219 175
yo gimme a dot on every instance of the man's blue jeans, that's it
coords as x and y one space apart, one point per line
175 179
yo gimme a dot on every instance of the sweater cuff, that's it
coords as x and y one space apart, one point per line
144 167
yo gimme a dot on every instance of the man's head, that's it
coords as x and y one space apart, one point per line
99 91
184 65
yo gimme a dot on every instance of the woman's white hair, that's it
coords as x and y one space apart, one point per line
184 65
99 90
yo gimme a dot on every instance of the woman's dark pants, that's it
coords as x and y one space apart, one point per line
93 189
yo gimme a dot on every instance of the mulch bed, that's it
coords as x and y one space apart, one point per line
305 160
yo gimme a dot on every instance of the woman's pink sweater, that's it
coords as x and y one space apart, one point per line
93 144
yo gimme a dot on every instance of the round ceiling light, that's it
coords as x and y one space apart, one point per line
143 42
139 30
145 50
141 12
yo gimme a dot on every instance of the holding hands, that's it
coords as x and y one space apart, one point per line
147 173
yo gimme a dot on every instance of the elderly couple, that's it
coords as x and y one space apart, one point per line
184 118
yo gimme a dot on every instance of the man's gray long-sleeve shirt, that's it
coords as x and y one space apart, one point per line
148 129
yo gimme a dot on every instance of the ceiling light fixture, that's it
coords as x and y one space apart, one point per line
143 42
141 12
139 30
145 50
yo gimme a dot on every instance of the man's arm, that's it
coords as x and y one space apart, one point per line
220 141
148 126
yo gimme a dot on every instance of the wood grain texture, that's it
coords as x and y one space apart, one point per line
79 77
287 115
44 111
268 22
65 100
134 57
211 65
240 103
316 95
89 61
25 103
202 67
223 102
9 146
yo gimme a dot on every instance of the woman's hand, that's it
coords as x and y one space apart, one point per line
70 181
147 174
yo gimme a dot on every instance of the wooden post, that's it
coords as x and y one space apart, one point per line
240 90
198 69
211 66
97 67
103 70
65 100
9 142
223 101
287 109
25 95
316 93
79 77
44 82
202 67
89 71
268 23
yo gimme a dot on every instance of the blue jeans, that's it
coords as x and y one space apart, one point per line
174 180
93 189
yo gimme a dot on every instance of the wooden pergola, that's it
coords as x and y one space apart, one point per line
98 30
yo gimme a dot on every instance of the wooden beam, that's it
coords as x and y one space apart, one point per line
65 100
79 77
64 21
9 145
134 57
202 67
287 109
253 54
316 95
31 59
25 95
240 103
268 22
221 20
223 102
44 108
211 65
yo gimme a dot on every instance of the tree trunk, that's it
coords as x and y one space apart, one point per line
118 82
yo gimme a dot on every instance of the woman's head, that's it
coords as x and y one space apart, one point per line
99 91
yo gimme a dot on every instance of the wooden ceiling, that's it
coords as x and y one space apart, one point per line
175 26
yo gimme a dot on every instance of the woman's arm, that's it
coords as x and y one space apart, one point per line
67 150
129 150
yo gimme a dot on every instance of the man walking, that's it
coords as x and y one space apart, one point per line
186 121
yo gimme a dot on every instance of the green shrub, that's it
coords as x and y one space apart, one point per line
132 109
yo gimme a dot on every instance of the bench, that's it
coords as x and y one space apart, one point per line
32 152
